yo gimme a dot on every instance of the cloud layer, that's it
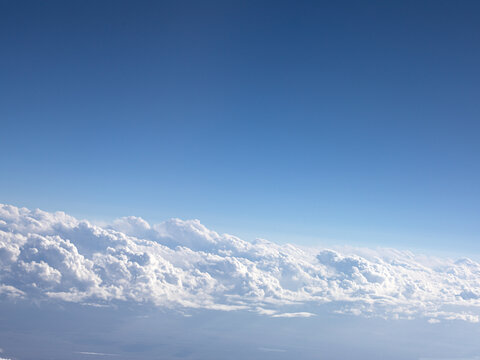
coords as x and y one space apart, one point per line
182 264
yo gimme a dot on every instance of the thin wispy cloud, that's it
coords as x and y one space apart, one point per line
94 353
294 315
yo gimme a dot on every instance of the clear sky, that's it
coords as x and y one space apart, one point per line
355 121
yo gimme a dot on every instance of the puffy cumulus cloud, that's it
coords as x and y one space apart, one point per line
182 264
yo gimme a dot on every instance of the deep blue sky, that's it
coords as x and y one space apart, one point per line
355 121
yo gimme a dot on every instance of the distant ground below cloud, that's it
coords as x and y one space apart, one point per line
58 331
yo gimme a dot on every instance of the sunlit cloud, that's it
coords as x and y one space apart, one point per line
182 264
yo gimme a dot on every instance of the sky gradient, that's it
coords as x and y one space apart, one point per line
303 122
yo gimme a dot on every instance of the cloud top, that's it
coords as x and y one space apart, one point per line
182 264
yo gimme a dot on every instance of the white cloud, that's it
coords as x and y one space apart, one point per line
182 264
294 315
94 353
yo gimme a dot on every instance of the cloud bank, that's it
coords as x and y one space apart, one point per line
181 264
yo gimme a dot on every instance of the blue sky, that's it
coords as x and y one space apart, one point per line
296 121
